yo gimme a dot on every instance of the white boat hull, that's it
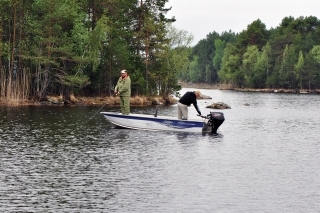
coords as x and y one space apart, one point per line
150 122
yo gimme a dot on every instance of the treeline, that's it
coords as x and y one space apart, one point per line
79 47
285 57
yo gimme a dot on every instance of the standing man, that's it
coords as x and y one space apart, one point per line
186 100
123 89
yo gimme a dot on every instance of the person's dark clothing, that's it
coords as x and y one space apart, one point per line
190 98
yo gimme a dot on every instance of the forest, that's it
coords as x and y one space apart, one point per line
78 48
286 57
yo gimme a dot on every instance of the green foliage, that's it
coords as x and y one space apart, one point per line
260 58
72 44
69 45
175 60
195 76
219 46
299 69
315 51
230 72
261 69
75 81
311 75
96 38
205 51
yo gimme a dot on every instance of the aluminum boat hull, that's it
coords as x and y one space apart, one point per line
150 122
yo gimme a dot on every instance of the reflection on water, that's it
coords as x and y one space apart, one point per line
264 159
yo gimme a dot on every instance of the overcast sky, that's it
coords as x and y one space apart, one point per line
200 17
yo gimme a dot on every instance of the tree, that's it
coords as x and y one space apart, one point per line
193 70
175 60
230 71
59 45
286 71
217 59
249 61
150 34
299 69
255 34
315 51
311 70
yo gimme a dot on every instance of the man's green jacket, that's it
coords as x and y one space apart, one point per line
124 86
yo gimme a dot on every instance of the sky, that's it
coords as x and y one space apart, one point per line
201 17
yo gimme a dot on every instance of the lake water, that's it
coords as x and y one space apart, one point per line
70 159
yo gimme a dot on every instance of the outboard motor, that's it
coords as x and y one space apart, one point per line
215 119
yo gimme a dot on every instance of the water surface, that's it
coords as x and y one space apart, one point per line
70 159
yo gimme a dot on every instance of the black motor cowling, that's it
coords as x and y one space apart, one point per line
215 119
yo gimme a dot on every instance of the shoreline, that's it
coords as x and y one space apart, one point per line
91 101
140 100
277 90
230 87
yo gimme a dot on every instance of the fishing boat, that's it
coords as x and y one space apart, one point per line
209 123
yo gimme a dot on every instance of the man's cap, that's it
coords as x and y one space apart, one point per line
123 71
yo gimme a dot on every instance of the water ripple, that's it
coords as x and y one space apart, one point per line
265 159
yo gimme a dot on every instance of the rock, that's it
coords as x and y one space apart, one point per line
156 102
219 105
54 100
67 102
202 96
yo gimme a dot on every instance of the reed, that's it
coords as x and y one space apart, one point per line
14 87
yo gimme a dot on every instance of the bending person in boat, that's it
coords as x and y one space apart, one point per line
186 100
123 89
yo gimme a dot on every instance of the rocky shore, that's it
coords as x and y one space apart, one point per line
109 100
144 100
